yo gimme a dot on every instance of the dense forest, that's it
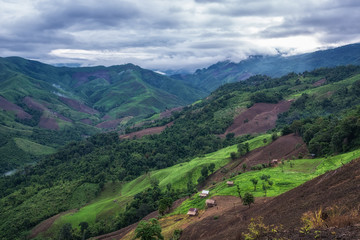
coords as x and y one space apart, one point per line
327 119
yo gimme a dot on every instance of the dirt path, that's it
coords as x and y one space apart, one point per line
46 224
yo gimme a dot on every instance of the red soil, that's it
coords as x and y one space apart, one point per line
31 103
48 123
58 115
9 106
111 124
319 83
78 106
86 121
169 112
259 118
147 131
340 187
83 77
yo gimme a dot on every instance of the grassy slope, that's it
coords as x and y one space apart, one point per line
33 148
115 197
284 178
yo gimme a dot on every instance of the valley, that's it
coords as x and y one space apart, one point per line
95 163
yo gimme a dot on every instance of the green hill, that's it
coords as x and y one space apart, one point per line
57 105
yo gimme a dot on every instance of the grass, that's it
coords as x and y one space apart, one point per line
115 196
33 148
284 177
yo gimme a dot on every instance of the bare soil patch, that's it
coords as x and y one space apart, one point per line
169 112
9 106
31 103
147 131
76 105
257 119
319 82
48 123
86 121
111 124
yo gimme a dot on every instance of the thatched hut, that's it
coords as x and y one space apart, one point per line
192 212
210 203
230 183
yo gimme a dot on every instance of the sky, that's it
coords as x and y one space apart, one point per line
173 34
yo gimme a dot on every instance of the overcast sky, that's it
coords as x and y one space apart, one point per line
172 34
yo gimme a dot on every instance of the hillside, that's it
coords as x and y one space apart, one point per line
113 183
335 189
274 66
51 106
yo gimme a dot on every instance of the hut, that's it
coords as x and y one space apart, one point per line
230 183
274 162
192 212
204 193
210 203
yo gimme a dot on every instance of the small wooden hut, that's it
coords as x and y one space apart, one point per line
210 203
192 212
230 183
204 193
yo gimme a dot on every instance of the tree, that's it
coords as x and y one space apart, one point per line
244 166
233 155
66 232
149 230
204 171
254 181
264 187
164 205
248 199
211 167
238 191
83 227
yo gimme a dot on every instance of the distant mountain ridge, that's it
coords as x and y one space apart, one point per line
220 73
37 99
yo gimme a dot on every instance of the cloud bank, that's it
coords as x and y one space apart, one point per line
162 35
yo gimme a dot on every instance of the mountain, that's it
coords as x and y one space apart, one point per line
111 182
220 73
47 106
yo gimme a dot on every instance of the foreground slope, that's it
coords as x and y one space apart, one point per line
339 187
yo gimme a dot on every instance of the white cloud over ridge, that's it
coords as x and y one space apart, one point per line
163 35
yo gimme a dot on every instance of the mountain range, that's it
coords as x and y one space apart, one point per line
208 79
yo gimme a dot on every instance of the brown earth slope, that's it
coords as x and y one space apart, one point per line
339 187
284 147
257 119
147 131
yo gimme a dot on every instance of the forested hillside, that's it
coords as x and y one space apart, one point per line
46 107
324 111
